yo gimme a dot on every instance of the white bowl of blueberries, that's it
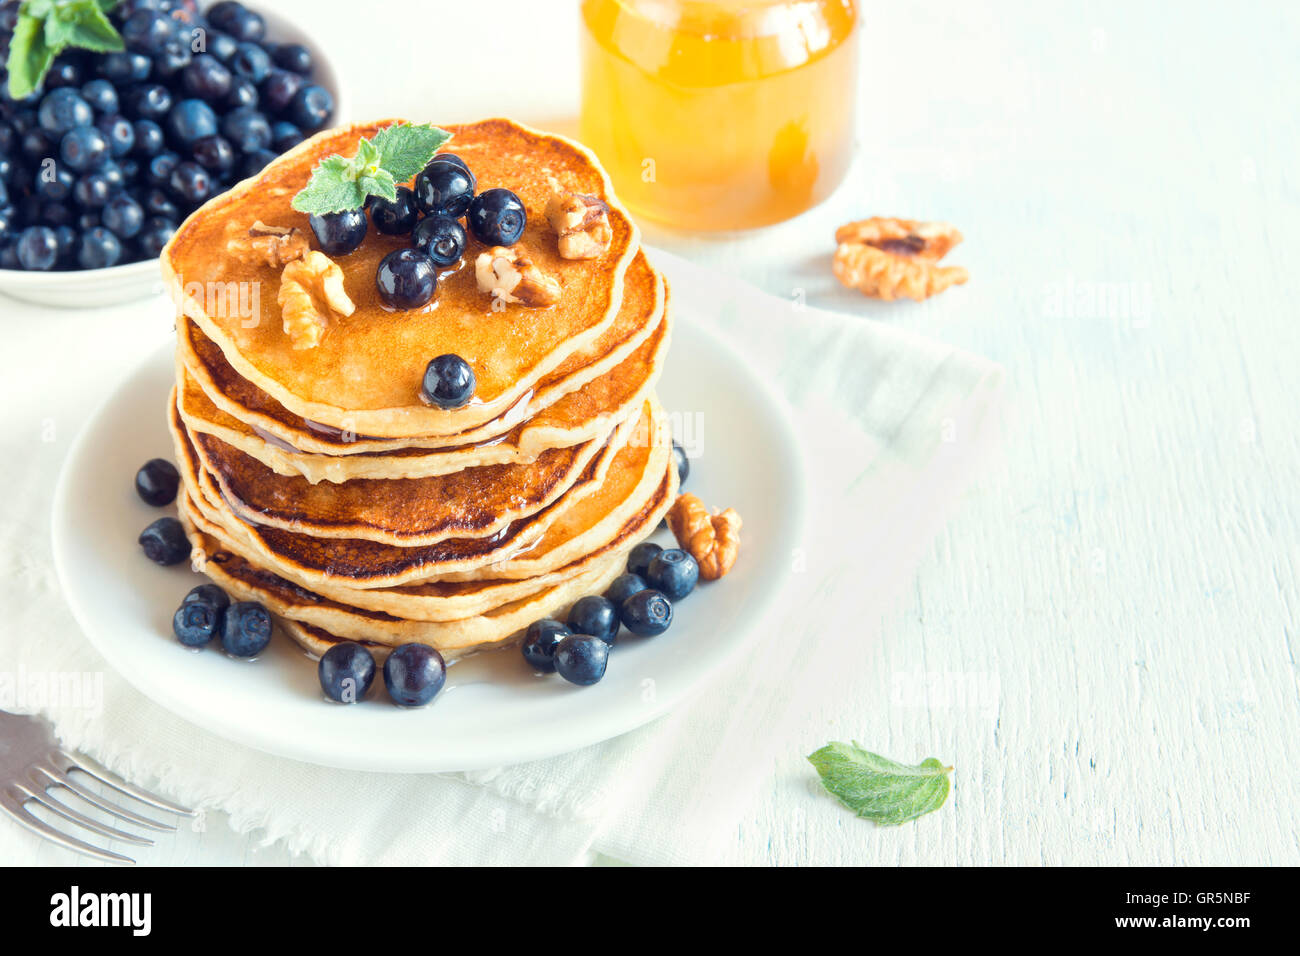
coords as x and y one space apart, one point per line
110 151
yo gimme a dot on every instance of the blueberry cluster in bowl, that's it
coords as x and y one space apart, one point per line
99 166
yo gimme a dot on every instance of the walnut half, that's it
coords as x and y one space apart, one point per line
887 258
277 246
311 294
712 540
582 224
508 274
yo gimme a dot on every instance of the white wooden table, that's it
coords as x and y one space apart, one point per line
1103 640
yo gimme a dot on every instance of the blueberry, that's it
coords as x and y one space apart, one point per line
66 237
596 616
540 641
160 168
581 659
207 78
8 250
147 32
413 674
346 672
293 57
64 109
451 158
164 542
624 586
441 238
214 153
638 561
278 89
254 162
396 217
406 279
119 132
195 623
243 95
172 61
251 62
190 120
84 148
448 382
237 20
246 630
339 233
496 217
682 462
54 185
123 216
285 136
101 95
37 144
646 613
208 594
125 67
38 248
150 101
445 189
221 45
98 249
674 572
248 129
148 138
191 182
157 232
63 72
311 107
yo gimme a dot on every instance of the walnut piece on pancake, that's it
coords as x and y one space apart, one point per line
582 224
713 540
510 275
277 246
311 294
887 258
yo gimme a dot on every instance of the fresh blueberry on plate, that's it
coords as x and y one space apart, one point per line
413 674
441 238
581 659
64 109
674 572
346 672
247 128
148 138
444 188
395 217
207 78
164 542
406 279
452 158
191 182
208 594
278 89
99 249
596 616
339 233
38 248
156 482
448 382
647 613
84 148
310 108
683 463
246 630
189 120
540 642
638 560
496 217
251 62
624 586
293 57
123 216
195 623
101 95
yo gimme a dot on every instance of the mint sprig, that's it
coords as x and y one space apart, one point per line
394 155
46 28
881 790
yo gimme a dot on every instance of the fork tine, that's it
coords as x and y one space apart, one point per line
16 809
94 826
61 779
105 777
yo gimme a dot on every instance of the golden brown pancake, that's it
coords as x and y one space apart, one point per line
365 374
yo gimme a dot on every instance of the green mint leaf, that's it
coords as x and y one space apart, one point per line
881 790
331 188
393 156
29 57
405 149
83 24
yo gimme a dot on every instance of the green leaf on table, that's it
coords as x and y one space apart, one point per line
393 156
885 792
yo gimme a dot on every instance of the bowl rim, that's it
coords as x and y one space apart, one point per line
325 74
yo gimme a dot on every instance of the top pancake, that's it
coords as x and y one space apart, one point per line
365 375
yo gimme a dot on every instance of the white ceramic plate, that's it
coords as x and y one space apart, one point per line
96 288
494 710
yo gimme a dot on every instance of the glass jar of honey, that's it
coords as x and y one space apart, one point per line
720 114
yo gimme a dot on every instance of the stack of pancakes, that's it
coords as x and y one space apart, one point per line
318 483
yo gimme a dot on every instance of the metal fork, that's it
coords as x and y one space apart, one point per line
33 765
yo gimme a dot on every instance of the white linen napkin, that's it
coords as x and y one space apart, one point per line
892 426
